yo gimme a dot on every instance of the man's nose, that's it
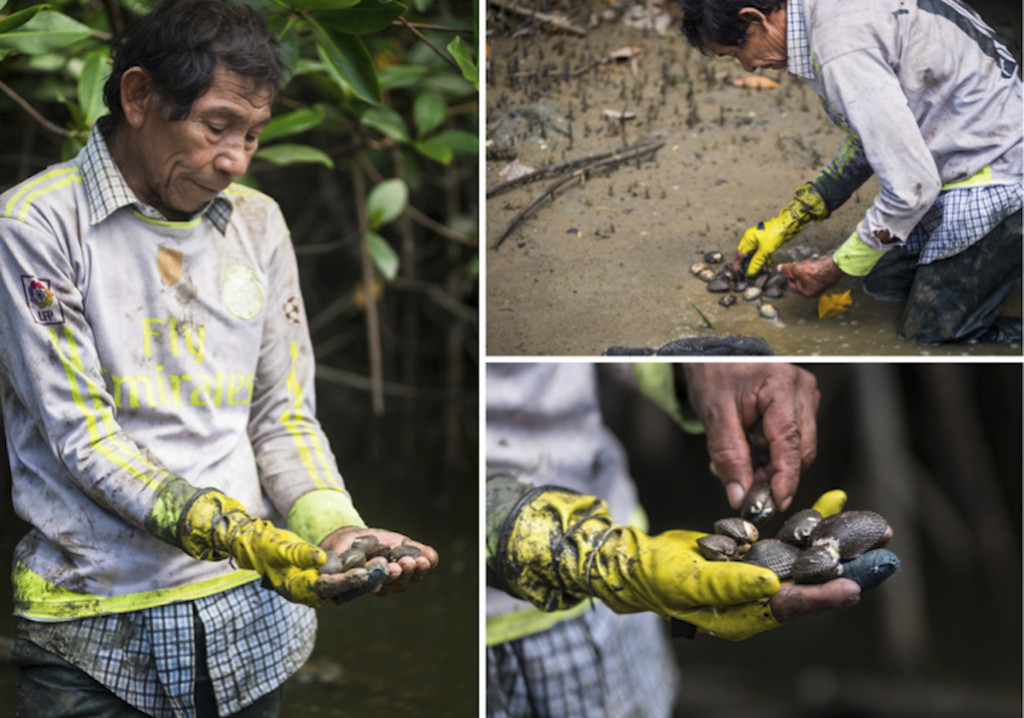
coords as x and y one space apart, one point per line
233 160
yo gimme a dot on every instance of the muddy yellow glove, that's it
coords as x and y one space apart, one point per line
557 547
215 526
763 239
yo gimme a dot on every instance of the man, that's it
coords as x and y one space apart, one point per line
557 477
931 104
157 391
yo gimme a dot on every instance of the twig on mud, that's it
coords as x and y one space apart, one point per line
554 20
637 150
608 159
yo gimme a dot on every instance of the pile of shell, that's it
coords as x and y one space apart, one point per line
732 284
364 548
808 548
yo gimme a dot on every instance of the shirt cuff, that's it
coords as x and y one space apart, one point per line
856 258
319 513
658 383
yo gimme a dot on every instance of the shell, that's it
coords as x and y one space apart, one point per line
715 547
728 300
698 268
713 257
719 284
739 530
345 561
768 311
364 543
851 532
740 284
771 292
798 527
727 273
751 293
706 275
404 550
817 564
773 555
758 505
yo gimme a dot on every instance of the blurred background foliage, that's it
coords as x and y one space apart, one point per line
372 155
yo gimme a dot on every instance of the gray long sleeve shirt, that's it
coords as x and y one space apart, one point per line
927 93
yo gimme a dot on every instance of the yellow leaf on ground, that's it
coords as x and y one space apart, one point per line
755 82
832 305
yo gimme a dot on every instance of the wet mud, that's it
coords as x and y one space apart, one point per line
605 260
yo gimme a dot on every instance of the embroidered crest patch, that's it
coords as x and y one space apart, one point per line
242 291
45 307
293 310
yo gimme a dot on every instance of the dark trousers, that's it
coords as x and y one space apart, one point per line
50 687
955 299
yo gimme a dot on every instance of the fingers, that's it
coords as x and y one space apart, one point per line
788 401
730 398
794 601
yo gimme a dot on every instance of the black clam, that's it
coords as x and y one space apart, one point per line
774 555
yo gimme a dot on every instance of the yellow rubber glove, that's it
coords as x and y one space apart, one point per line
558 547
215 526
830 502
764 238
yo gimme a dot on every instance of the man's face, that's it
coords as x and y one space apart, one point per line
183 164
765 45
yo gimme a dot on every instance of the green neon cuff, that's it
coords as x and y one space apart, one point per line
856 258
658 383
321 512
171 501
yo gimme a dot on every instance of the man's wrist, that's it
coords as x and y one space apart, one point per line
319 513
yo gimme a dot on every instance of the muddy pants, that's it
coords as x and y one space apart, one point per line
48 687
955 299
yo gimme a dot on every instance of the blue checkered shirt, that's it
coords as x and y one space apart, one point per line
959 218
255 640
108 191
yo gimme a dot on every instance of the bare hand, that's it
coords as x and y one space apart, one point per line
812 277
402 573
731 398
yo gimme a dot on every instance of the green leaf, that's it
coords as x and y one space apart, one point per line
386 202
290 45
90 85
294 154
350 59
383 255
293 123
322 4
464 57
437 151
17 19
368 17
422 5
386 121
46 32
443 146
397 77
428 111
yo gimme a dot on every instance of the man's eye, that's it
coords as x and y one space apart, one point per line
215 130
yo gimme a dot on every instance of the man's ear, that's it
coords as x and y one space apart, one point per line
753 16
137 96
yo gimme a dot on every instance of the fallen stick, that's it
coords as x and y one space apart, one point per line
606 160
555 20
567 166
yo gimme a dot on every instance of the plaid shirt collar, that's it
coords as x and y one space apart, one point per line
107 190
800 62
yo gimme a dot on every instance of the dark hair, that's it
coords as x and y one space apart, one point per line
181 42
720 21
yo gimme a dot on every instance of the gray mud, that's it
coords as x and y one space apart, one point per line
606 261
